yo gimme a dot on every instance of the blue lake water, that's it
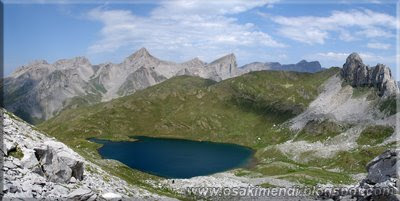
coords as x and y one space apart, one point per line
175 158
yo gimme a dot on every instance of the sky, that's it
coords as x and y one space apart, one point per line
178 30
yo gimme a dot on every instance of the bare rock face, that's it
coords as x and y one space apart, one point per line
220 69
140 79
350 68
40 90
357 74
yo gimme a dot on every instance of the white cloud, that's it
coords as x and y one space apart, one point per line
335 56
381 46
182 27
340 58
199 7
349 25
368 57
307 35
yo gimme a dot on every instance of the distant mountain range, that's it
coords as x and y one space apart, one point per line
40 90
302 66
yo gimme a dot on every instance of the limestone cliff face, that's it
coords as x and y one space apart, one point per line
41 90
357 74
223 68
220 69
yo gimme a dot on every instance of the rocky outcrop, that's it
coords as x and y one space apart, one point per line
337 103
302 66
37 167
41 90
357 74
382 178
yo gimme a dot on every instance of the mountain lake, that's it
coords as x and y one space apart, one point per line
175 158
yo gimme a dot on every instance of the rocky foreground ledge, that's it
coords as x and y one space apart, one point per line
383 173
37 167
381 183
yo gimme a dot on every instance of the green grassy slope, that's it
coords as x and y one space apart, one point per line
246 110
241 110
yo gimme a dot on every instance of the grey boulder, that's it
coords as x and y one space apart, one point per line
82 194
383 167
382 178
58 166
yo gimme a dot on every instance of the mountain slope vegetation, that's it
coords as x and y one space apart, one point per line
243 110
253 109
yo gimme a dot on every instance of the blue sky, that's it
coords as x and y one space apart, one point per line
259 30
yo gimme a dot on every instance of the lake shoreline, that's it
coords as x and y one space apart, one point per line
186 158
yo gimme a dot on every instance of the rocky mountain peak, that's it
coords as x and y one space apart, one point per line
35 69
195 62
74 62
305 66
223 68
81 60
354 58
357 74
227 58
38 62
302 62
33 63
45 89
353 62
230 56
142 53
